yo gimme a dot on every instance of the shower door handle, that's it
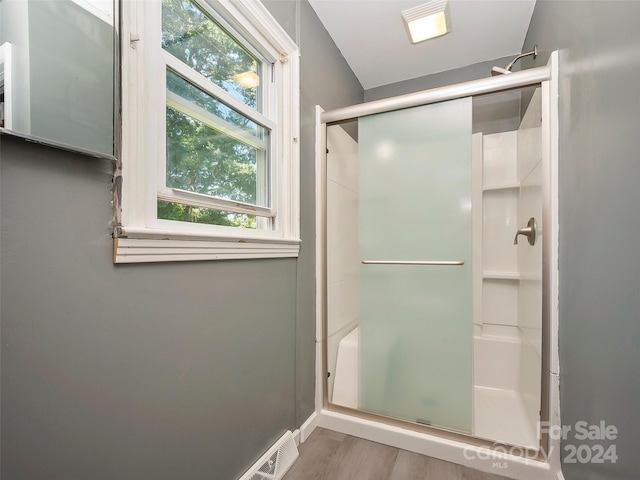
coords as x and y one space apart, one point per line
439 263
530 231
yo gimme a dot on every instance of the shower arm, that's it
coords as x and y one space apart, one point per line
533 52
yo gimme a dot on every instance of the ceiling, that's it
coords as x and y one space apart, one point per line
372 38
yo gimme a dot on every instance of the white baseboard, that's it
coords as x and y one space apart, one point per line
308 427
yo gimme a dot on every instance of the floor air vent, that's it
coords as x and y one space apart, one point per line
275 463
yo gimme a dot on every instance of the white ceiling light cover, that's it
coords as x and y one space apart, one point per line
426 21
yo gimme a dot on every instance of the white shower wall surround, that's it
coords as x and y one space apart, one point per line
508 325
342 242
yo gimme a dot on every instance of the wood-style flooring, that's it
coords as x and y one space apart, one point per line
329 455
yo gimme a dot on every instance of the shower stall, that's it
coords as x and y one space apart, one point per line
437 300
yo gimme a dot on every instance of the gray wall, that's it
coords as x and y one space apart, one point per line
151 371
341 88
325 80
599 219
458 75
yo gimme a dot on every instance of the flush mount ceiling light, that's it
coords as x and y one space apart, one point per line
427 21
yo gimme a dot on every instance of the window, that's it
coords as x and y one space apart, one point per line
210 133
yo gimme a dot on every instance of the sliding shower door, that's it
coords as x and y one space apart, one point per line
415 291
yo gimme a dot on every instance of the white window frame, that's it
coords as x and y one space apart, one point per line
6 80
139 235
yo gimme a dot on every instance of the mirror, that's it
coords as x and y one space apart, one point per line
57 71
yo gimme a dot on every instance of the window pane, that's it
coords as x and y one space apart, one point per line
188 91
193 37
210 216
204 159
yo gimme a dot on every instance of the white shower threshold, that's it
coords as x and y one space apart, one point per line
480 458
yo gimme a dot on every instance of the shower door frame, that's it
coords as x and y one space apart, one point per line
547 78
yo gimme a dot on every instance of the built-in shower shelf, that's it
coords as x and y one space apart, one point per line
501 275
506 186
531 277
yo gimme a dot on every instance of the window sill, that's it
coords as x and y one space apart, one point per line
158 247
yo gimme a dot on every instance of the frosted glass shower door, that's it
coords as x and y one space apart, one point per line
416 320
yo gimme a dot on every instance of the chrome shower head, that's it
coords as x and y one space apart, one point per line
499 71
507 69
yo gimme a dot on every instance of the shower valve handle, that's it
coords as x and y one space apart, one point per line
529 231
